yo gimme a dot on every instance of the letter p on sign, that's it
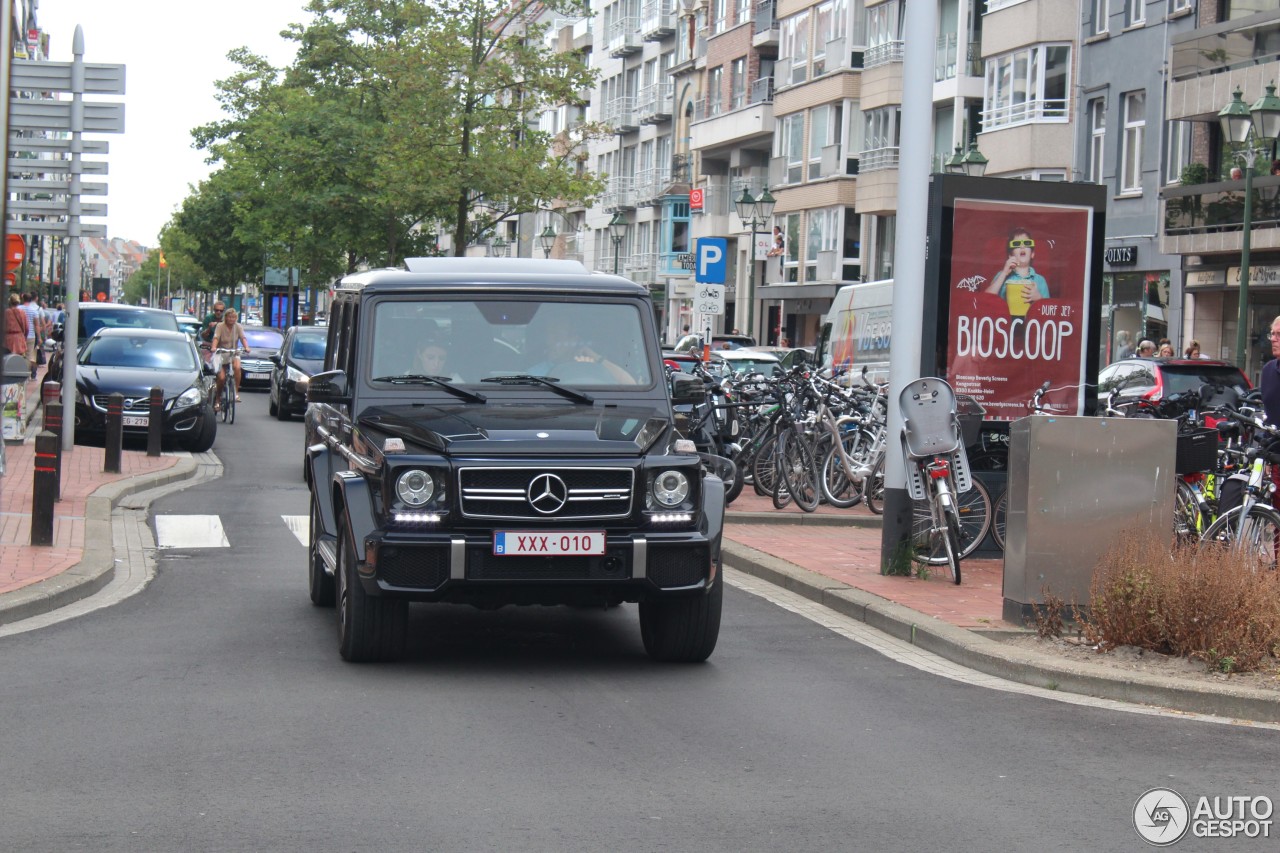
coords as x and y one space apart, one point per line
713 260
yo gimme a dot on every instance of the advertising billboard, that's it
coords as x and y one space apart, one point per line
1018 284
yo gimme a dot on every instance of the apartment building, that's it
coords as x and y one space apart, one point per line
1233 45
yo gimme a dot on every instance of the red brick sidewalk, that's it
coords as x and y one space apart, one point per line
22 564
851 555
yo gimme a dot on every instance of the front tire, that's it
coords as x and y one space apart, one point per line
201 442
369 629
683 630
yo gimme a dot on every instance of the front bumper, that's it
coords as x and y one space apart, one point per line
177 423
256 372
456 566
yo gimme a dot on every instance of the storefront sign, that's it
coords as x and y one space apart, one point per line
1121 256
695 199
1258 276
1204 278
1019 303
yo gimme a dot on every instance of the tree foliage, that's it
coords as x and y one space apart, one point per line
397 118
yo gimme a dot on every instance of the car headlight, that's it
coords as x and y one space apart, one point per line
189 397
293 374
670 488
80 396
415 487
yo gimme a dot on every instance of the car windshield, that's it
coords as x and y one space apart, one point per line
264 338
596 344
1180 379
767 366
92 319
308 347
138 351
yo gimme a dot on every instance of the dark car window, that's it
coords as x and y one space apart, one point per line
119 351
308 347
1181 378
91 320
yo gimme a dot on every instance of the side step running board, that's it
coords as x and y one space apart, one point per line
328 549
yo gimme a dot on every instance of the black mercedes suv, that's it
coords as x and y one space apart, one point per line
499 431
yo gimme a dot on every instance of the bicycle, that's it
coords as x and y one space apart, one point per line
1254 525
937 473
224 359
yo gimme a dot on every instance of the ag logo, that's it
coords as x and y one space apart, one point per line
1161 816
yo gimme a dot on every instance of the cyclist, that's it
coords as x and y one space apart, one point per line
226 334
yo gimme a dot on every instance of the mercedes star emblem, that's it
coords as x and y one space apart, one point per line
547 493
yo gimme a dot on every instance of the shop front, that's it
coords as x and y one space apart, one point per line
1212 303
1135 308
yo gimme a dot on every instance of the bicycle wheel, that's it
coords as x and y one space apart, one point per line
873 487
800 471
763 471
1188 521
229 402
837 488
973 510
997 518
781 496
1258 536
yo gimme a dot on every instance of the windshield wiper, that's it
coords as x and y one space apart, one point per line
441 381
549 381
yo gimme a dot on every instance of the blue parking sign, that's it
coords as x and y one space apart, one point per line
712 260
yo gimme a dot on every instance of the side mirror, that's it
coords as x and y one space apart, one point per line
57 332
685 389
329 387
275 358
207 369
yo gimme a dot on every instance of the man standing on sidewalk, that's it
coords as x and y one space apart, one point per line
35 323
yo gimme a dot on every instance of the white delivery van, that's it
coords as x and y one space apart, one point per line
857 329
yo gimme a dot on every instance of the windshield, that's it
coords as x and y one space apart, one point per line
308 347
1180 379
593 344
93 319
263 338
139 351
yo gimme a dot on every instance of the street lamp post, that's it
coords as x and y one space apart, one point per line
617 231
547 239
756 211
1253 129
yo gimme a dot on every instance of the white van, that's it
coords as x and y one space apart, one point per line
857 329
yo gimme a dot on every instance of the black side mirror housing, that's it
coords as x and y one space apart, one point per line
685 389
329 387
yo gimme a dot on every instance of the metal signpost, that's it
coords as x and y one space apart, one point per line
54 167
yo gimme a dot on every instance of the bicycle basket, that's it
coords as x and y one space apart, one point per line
970 412
1197 451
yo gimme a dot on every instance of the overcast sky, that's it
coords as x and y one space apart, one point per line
173 52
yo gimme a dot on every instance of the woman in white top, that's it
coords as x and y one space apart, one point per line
226 335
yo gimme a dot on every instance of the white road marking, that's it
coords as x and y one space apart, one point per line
190 531
904 652
300 526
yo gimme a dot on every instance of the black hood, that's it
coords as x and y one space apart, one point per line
309 366
133 381
497 429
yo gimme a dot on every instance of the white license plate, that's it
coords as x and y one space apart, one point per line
573 543
134 420
257 375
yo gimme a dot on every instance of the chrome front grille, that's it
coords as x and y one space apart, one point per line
132 405
551 494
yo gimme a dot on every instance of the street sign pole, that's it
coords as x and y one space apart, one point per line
70 329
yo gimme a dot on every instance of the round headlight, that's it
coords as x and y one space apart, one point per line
670 488
415 487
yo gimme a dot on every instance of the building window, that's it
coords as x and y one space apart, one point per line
1101 14
1180 5
715 80
791 258
795 43
742 12
1133 106
819 138
884 34
1097 140
717 16
1135 13
1027 85
738 83
879 139
1177 150
790 147
821 32
885 230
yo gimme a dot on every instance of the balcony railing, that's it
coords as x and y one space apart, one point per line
681 168
658 19
1244 42
624 36
766 16
762 91
882 54
651 183
655 102
621 113
1207 208
876 159
620 193
1047 109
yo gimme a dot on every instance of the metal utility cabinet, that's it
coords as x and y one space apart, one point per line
1076 485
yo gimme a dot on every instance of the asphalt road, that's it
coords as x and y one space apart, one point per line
212 712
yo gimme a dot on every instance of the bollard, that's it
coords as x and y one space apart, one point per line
155 422
43 483
114 434
53 424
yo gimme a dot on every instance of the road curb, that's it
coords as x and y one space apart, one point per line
812 519
992 657
97 564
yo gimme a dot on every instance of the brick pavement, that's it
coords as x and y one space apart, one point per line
22 564
851 554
